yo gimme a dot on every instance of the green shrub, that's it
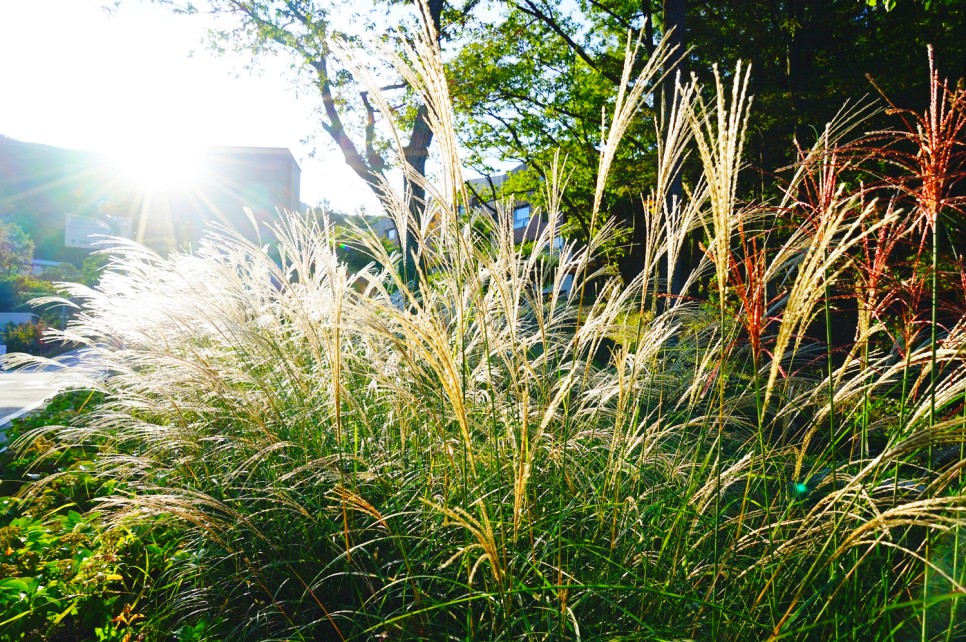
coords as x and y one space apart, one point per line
63 574
24 337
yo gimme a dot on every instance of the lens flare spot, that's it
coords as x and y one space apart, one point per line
158 167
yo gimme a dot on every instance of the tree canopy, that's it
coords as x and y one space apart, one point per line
531 79
16 249
537 77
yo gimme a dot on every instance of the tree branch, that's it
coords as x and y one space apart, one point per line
369 169
528 7
335 129
376 162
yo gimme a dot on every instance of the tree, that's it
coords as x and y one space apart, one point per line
809 57
550 39
311 33
17 292
92 267
532 77
16 249
62 273
537 80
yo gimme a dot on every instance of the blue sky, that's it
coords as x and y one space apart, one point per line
140 79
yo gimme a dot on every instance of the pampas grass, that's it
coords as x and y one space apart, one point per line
480 452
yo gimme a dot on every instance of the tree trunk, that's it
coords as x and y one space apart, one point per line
804 20
631 211
674 23
415 154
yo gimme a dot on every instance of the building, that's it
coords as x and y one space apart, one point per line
230 180
487 193
223 184
39 266
67 201
385 227
263 179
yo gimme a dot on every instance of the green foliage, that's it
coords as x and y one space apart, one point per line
16 295
889 5
523 93
63 574
92 267
533 77
22 338
8 294
16 249
21 289
355 254
51 574
61 273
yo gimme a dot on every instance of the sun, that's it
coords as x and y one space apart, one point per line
158 167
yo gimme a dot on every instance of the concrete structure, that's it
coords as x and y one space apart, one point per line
229 179
263 179
37 266
61 198
385 228
487 193
27 389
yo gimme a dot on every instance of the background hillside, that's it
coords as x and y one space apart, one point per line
40 184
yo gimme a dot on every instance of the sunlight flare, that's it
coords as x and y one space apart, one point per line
158 166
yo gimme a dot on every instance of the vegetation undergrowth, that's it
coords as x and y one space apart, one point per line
62 576
483 453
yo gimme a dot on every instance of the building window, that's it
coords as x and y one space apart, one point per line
557 243
391 235
521 216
